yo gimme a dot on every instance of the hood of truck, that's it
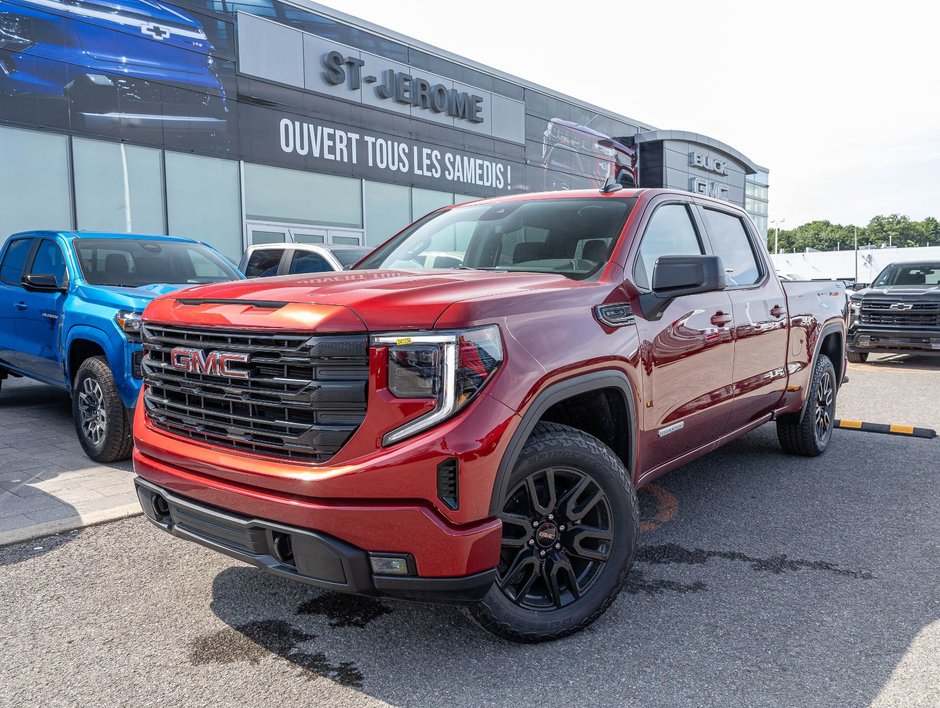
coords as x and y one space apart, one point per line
382 299
125 298
901 293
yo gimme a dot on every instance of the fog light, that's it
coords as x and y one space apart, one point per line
389 565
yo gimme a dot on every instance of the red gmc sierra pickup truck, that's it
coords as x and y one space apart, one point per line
477 434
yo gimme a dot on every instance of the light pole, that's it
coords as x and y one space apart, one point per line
776 224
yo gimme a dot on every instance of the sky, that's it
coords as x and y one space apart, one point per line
840 100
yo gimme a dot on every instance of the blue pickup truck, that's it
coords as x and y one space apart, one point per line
70 306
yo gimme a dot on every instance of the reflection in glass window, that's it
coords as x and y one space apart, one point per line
306 262
118 187
35 191
11 270
49 261
278 194
732 245
204 201
388 211
669 233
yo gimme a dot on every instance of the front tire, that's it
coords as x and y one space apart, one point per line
858 357
570 525
100 419
810 436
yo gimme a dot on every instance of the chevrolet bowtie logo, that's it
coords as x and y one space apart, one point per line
155 31
902 306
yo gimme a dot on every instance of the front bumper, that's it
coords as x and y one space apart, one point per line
314 558
893 341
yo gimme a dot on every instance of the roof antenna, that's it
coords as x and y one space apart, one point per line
610 186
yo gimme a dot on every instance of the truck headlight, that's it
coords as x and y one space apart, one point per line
450 367
854 309
130 322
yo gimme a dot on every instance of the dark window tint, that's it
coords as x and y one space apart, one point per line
263 262
533 236
305 262
669 233
132 263
909 275
49 261
350 256
733 246
11 270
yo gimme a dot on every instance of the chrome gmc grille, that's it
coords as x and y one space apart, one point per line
297 396
921 315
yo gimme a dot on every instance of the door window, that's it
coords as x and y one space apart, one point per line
670 232
263 262
307 262
11 270
49 261
731 243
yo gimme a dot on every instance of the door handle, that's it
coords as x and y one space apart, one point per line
20 306
720 319
777 311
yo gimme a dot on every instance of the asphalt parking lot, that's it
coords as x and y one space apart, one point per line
761 579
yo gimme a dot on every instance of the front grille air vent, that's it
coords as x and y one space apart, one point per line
297 396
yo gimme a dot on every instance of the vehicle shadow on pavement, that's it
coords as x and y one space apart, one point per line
776 580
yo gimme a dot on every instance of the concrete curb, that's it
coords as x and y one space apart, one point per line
79 521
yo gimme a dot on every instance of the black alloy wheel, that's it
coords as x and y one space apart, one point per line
557 534
824 414
570 523
810 434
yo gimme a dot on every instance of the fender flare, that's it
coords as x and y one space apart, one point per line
548 397
831 327
92 334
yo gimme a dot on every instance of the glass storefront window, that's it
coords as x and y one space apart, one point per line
34 182
204 201
118 187
388 211
278 194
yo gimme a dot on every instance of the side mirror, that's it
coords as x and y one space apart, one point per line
675 276
859 286
42 282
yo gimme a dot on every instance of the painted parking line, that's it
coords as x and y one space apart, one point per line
886 429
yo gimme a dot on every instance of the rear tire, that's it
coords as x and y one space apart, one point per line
858 357
810 436
100 418
570 524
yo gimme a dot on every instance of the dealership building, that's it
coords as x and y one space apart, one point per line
258 120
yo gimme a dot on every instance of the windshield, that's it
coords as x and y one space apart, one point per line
909 274
350 256
571 237
135 262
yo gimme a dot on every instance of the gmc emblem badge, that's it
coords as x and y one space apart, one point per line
196 361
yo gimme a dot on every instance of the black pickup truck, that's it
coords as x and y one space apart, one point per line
899 313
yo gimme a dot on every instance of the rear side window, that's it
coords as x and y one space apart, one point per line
669 233
306 262
263 262
11 270
731 243
49 261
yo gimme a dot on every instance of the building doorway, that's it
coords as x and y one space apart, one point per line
272 232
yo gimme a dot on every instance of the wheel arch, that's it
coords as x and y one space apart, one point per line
831 342
85 342
600 383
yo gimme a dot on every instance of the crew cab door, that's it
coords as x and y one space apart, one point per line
13 298
687 351
759 308
39 325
